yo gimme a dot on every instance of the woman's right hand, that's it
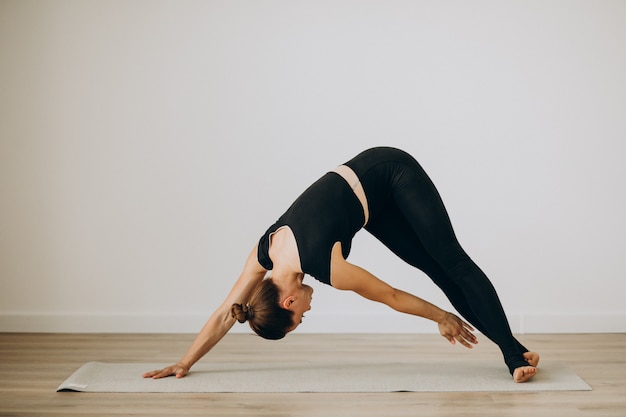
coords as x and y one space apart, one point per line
454 329
179 370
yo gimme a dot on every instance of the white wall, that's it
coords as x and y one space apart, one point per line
145 145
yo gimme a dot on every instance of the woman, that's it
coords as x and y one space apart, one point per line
385 191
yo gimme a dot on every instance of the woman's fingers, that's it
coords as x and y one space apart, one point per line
178 371
464 341
163 374
471 337
150 374
467 326
157 374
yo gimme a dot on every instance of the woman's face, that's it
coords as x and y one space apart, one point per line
301 303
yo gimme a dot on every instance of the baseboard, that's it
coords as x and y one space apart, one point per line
314 323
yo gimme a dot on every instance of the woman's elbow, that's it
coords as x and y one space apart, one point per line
393 298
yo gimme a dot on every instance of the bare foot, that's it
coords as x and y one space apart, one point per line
532 358
524 373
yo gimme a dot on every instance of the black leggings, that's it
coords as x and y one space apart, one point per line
414 224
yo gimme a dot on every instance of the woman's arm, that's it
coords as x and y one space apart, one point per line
220 321
346 276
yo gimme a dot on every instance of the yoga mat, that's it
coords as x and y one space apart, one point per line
320 377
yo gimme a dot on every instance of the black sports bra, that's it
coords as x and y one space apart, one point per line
325 213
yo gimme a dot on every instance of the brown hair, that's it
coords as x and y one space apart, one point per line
263 312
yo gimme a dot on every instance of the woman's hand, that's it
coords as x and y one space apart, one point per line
454 329
179 370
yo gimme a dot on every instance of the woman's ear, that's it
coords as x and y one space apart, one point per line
288 301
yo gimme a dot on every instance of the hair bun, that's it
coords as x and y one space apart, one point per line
241 313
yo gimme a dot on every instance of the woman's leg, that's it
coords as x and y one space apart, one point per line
420 204
396 234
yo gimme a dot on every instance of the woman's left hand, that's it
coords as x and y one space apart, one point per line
454 329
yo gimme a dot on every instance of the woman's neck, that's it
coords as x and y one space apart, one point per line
287 279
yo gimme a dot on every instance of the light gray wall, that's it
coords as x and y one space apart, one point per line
145 145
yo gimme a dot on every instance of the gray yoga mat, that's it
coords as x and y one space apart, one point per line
320 377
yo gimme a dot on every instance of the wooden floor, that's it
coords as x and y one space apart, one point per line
33 365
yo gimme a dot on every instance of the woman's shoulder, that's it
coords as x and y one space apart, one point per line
283 249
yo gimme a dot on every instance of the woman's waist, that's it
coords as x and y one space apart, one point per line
357 188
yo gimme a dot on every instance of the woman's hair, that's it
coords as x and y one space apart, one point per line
263 312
